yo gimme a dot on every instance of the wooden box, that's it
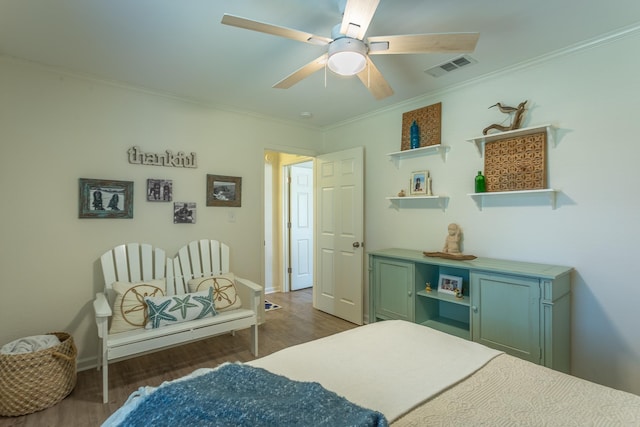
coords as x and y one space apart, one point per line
429 120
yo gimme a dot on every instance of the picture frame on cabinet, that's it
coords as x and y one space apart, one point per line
159 190
451 285
105 198
418 183
224 191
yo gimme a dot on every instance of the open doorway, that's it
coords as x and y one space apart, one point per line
289 226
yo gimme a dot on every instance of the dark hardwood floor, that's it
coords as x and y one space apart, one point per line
295 323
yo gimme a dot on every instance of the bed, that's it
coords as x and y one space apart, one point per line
395 373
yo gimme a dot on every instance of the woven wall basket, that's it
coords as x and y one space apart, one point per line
34 381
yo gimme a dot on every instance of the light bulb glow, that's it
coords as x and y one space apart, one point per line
347 56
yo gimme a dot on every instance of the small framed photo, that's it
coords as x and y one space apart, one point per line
450 284
224 191
159 190
103 198
184 213
418 183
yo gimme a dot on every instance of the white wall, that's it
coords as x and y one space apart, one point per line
57 128
591 96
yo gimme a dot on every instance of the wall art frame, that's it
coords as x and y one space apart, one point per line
159 190
184 213
105 198
224 190
516 163
429 121
449 284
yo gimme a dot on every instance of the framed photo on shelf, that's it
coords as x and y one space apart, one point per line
224 191
450 284
104 198
418 183
159 190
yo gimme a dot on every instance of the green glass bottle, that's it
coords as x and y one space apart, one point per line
480 183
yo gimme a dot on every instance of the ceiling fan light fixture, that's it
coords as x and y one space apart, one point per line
347 56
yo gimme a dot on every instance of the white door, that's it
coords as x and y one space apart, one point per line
301 225
340 232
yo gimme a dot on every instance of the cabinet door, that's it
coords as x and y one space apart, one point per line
506 314
393 287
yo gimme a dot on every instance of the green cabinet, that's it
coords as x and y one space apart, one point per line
396 291
520 308
506 313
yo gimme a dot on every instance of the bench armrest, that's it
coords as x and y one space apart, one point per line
254 287
252 296
103 312
101 306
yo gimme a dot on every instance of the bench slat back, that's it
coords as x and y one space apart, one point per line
199 258
134 262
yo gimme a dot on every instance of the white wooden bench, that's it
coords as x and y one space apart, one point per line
134 263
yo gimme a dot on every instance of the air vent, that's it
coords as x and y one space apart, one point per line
450 66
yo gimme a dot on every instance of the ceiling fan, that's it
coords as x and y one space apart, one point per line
349 54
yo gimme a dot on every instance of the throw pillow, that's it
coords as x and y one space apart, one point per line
129 309
179 308
225 293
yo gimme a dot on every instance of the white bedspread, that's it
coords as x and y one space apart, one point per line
512 392
389 366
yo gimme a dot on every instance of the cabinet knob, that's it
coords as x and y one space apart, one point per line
410 293
474 308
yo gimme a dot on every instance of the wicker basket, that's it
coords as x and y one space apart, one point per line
30 382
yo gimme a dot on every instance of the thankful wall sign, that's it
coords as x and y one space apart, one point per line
178 160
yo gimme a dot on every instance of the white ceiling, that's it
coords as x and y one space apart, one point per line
181 48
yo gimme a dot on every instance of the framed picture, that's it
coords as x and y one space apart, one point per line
224 191
184 213
449 284
103 198
418 183
159 190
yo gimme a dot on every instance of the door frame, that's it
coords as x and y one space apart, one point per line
314 157
272 156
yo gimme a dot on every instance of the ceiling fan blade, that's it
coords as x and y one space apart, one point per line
249 24
372 78
423 43
302 73
357 17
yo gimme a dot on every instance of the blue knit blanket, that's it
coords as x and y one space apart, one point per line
242 395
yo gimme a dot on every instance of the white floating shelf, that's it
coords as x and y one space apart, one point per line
481 140
442 200
422 151
479 197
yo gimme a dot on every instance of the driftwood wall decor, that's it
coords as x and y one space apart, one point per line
429 119
516 163
516 119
